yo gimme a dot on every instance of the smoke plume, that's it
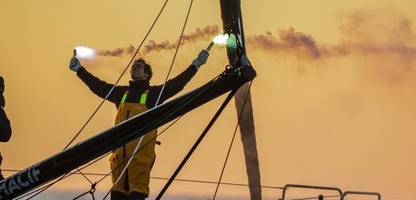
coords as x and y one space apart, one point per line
287 40
384 38
117 52
363 32
198 34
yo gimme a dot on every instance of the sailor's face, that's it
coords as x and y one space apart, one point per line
137 72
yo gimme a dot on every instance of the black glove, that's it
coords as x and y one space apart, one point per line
74 65
201 59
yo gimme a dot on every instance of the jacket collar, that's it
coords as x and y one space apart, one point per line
139 85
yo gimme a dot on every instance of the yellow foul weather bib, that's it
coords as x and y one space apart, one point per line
137 176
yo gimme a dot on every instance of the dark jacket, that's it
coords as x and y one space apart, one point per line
136 88
5 129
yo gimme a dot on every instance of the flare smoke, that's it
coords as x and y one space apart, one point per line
361 34
198 34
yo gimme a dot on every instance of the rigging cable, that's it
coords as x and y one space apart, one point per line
185 103
121 75
111 90
91 192
158 135
105 175
240 115
196 144
85 166
176 51
160 94
57 180
91 163
311 198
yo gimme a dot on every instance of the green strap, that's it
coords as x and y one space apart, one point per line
142 100
123 99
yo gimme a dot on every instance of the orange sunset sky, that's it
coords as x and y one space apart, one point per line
334 100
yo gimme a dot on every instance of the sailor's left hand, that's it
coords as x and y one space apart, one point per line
74 65
201 59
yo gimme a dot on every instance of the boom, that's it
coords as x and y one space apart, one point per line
76 156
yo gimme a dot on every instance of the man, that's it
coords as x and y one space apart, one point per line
131 100
5 129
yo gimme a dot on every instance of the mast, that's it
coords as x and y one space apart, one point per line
233 25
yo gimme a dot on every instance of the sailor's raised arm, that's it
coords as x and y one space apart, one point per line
96 85
175 85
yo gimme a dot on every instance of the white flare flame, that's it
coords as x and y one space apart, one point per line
221 39
85 53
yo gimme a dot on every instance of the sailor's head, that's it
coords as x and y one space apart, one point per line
140 70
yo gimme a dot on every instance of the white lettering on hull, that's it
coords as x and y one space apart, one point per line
18 182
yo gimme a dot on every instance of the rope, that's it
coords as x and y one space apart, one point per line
111 90
41 189
318 197
91 192
122 74
158 135
89 164
196 144
72 173
240 115
128 162
160 94
176 52
105 175
118 79
185 102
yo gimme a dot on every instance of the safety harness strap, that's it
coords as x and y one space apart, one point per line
142 100
123 99
143 97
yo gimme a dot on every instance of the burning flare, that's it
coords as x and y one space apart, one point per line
85 53
221 39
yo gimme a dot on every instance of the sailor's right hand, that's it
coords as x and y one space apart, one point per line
74 65
201 59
